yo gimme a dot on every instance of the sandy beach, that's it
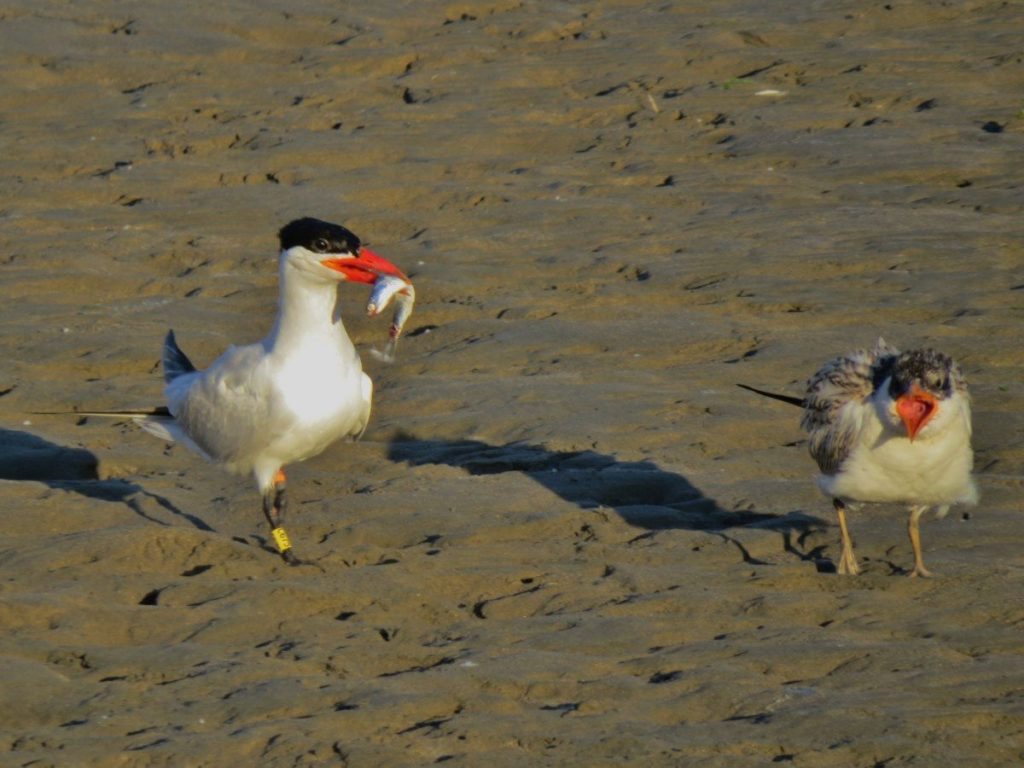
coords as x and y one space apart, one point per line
567 538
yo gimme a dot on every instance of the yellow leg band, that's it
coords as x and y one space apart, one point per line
281 539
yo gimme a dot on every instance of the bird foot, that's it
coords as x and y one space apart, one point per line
848 567
920 570
290 559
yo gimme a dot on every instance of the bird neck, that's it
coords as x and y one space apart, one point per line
309 310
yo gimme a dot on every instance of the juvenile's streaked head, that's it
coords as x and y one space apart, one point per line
919 389
331 252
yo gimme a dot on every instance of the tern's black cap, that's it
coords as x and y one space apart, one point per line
318 236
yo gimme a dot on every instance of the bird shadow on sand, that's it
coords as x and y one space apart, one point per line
640 492
24 456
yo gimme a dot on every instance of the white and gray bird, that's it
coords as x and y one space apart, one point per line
284 399
887 426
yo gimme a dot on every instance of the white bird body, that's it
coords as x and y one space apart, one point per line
885 466
281 400
891 427
286 398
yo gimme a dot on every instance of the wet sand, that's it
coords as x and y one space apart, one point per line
566 538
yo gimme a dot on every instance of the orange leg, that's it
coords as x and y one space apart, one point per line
275 505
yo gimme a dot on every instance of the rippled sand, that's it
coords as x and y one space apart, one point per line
567 538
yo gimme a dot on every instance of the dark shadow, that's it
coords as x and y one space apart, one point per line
24 456
640 492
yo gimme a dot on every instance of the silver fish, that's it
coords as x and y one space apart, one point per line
386 288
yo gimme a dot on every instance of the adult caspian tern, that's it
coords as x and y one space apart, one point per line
887 426
286 398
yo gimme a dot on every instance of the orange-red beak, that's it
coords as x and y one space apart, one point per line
916 409
365 268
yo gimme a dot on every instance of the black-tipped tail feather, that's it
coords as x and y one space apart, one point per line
159 412
797 401
176 362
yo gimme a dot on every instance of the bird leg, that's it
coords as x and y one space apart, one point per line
847 561
275 504
915 541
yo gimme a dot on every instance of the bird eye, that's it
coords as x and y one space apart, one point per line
320 245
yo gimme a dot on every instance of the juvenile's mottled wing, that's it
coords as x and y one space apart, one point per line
830 413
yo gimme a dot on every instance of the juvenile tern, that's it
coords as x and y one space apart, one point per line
887 426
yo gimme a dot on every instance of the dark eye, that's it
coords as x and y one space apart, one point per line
320 245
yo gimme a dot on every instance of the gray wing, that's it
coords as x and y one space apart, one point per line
834 394
224 409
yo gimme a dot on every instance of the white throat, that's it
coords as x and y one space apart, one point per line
309 312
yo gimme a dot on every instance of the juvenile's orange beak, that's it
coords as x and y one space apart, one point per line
916 409
364 268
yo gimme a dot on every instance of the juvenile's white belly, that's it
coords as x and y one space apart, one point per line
894 469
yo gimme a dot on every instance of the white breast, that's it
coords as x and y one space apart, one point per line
885 466
323 396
